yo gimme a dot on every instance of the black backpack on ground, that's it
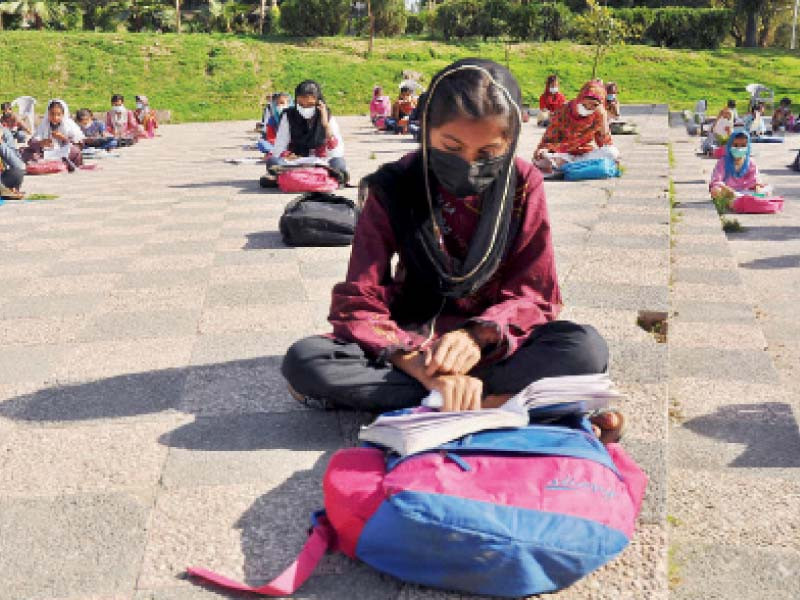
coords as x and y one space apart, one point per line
319 219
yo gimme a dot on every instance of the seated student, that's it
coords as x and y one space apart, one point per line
723 126
736 171
18 128
732 107
11 165
94 131
754 121
470 308
146 116
783 119
402 109
121 122
550 101
578 131
278 103
308 130
56 131
380 107
612 100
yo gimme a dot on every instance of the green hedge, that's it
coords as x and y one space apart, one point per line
675 27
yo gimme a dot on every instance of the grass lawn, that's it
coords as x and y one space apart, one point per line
218 77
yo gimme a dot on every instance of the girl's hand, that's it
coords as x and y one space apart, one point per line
48 143
455 353
58 136
323 113
459 392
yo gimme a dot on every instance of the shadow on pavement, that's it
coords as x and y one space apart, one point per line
769 430
759 233
264 240
787 261
245 186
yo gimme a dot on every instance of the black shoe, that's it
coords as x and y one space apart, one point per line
268 181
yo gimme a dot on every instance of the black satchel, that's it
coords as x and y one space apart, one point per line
319 219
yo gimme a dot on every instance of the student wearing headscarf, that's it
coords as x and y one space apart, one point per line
145 116
308 129
380 106
56 131
736 171
577 131
121 122
551 100
278 103
470 308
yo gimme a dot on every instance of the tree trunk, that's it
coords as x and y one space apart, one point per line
371 18
178 16
261 15
752 29
1 20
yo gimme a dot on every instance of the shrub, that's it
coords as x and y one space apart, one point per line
492 20
677 27
390 17
414 25
540 22
304 18
457 18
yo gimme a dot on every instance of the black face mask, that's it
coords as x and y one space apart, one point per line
461 178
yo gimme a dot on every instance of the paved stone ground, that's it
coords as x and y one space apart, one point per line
734 461
144 425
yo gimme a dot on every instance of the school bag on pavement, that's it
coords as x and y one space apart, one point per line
598 168
318 219
749 204
509 512
45 167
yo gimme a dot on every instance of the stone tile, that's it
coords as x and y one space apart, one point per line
82 266
715 572
699 397
109 358
28 363
688 311
728 336
684 249
617 296
36 461
171 261
121 396
634 242
751 366
711 277
324 269
187 300
52 306
682 291
734 507
57 330
247 531
262 448
294 316
142 324
244 293
88 545
167 278
238 387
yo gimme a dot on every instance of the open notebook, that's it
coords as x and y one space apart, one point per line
545 399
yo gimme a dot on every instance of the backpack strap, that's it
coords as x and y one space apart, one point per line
322 538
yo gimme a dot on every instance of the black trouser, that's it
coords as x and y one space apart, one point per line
341 373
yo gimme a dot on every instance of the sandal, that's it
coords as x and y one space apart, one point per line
608 432
309 401
9 194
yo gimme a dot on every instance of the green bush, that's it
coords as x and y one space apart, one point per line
492 20
457 18
540 22
306 18
414 25
677 27
390 17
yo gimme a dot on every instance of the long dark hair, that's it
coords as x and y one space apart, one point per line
551 79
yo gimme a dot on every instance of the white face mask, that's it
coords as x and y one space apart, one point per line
307 113
139 105
554 90
118 109
583 111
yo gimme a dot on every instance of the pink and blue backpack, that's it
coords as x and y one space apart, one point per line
509 513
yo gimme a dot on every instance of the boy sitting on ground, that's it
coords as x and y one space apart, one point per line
94 130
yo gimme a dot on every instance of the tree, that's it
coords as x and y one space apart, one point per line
598 27
29 11
177 16
755 21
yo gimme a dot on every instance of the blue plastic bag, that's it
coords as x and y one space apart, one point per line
599 168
